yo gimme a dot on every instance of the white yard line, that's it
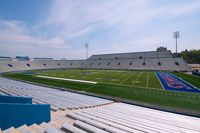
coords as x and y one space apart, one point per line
66 79
137 78
147 80
185 81
186 78
127 78
159 81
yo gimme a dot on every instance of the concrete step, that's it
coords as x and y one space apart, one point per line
54 124
51 130
36 128
25 129
11 130
69 128
57 114
43 125
54 116
50 127
65 119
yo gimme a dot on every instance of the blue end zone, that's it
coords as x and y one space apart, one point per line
171 82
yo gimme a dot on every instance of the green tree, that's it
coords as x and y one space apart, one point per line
191 56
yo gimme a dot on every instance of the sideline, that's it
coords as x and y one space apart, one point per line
75 80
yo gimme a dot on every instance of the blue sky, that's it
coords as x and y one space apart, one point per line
60 28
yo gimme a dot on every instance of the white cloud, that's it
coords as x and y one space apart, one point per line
16 33
72 16
111 25
81 32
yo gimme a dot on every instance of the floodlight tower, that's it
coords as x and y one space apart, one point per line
86 48
176 36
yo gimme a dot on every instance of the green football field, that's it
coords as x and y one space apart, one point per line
137 86
127 78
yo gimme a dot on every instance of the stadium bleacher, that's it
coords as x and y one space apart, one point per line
153 60
76 113
114 118
56 98
4 58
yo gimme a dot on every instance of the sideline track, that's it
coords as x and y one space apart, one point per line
66 79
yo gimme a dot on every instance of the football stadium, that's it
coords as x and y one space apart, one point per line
149 91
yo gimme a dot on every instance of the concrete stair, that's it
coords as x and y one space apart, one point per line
111 118
37 128
43 125
25 129
11 130
60 123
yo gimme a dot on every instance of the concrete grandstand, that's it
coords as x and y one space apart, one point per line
161 59
99 66
77 113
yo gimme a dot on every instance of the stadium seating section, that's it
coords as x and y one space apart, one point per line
77 113
43 95
153 60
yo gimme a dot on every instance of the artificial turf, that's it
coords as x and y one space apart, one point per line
192 79
145 79
123 88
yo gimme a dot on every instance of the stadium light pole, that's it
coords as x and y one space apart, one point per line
176 36
86 48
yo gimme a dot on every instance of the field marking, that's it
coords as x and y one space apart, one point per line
66 79
159 80
126 78
108 77
114 80
117 77
89 74
195 76
136 79
147 80
185 81
179 75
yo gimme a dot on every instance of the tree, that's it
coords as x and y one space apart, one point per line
191 56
